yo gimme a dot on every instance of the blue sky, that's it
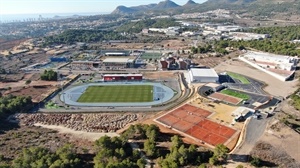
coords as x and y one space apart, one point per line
70 6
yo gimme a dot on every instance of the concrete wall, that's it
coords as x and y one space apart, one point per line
282 78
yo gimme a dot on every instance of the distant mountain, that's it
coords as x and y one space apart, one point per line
123 9
144 7
249 7
190 3
231 1
167 4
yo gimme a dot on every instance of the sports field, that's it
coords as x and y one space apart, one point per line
235 94
239 77
151 56
117 93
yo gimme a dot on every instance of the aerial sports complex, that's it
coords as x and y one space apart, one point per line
117 94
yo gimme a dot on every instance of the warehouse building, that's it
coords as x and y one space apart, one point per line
122 62
203 75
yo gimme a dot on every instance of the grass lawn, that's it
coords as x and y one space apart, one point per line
51 105
235 94
238 77
117 93
151 55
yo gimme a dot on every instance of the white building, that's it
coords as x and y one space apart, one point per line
247 36
198 75
279 66
267 60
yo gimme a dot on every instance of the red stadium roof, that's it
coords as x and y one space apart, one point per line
109 75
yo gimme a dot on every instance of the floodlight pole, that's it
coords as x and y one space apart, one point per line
61 87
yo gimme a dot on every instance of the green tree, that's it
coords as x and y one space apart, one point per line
141 163
49 75
36 157
176 143
255 161
28 82
220 154
150 148
240 166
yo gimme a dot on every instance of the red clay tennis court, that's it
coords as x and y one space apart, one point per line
225 98
192 121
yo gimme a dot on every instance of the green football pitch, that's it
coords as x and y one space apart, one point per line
117 93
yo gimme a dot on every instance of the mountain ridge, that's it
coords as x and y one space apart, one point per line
252 7
166 4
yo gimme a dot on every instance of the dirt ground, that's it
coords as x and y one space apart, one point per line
14 138
274 86
221 112
168 44
283 138
21 83
90 136
37 88
176 44
7 44
161 74
37 93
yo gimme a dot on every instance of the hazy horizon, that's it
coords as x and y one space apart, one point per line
16 7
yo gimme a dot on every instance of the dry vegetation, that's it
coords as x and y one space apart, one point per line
7 44
37 93
14 138
272 156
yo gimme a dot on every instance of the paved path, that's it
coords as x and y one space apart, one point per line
253 132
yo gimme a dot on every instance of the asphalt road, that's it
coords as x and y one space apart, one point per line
254 130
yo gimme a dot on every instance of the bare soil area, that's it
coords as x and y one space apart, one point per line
13 138
7 44
91 136
37 93
283 138
274 86
176 44
161 74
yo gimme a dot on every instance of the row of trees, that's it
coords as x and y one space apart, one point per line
137 27
202 49
11 104
180 155
72 36
116 153
272 46
286 33
49 75
37 157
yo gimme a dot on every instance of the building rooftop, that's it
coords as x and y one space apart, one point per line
204 72
118 60
122 75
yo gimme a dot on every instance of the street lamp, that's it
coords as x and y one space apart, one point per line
64 100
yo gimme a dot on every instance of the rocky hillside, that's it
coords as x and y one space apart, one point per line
167 4
268 8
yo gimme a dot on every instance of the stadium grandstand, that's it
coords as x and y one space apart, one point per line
123 62
122 77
